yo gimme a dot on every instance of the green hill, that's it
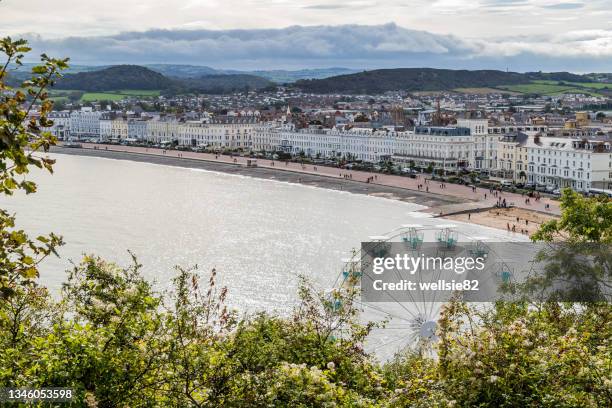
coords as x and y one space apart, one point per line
135 77
219 84
410 79
115 78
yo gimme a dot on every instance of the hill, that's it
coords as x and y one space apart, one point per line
410 79
115 78
277 75
135 77
219 84
282 76
183 71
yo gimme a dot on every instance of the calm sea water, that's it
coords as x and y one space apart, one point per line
259 234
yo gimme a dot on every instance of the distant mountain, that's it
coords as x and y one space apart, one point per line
178 78
279 76
284 76
72 68
219 84
183 71
410 79
115 78
122 77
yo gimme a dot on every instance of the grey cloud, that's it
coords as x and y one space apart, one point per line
325 7
296 42
353 46
565 6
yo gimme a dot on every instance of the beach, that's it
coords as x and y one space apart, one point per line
523 221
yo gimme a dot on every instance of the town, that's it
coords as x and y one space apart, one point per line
543 143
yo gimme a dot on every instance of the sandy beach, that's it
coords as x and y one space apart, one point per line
521 220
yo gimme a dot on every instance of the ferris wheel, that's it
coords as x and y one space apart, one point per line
411 323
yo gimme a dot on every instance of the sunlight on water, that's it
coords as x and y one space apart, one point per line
258 234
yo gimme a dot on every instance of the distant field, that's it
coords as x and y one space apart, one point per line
483 91
594 85
101 96
118 95
105 96
552 88
136 92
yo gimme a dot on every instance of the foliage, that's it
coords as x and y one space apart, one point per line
576 261
20 255
582 220
117 342
220 84
519 356
139 80
20 138
116 78
410 79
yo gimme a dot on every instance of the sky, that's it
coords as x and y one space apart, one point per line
519 35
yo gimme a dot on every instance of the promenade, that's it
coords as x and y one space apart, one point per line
480 198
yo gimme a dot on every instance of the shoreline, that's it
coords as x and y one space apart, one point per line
430 200
437 204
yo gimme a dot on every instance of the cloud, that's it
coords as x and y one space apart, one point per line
354 46
565 6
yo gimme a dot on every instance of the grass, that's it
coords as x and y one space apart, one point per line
593 85
107 95
119 95
482 91
553 88
101 96
143 92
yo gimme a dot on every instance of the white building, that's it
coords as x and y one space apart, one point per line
106 128
85 123
357 144
449 149
563 162
232 133
137 129
163 130
61 124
